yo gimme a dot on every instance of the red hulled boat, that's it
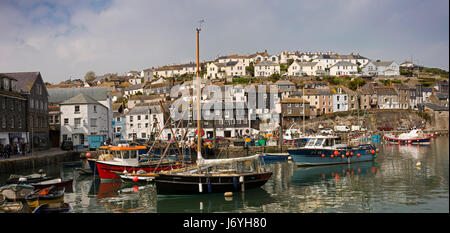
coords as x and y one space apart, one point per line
125 158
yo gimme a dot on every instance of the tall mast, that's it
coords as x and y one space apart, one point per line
199 151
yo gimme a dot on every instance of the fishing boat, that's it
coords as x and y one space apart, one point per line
413 137
326 150
211 175
16 191
125 158
57 182
53 208
294 136
45 196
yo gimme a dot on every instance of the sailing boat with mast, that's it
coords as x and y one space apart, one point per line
202 179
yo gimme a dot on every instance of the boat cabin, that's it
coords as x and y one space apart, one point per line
122 153
323 141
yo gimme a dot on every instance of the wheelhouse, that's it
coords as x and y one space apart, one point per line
323 141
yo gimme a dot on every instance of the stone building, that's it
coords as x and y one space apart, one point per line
12 112
32 87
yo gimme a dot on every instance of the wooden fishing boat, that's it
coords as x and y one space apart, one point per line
125 158
53 208
45 196
326 150
11 207
203 181
16 191
2 199
57 182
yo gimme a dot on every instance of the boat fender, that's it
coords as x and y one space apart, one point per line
372 152
332 156
358 155
351 153
347 154
241 179
323 155
235 182
200 187
209 186
343 156
135 179
228 194
336 152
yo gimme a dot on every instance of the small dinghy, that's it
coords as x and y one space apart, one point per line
58 182
53 208
27 179
11 207
139 177
45 196
16 191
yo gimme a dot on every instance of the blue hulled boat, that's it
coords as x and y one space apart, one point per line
325 150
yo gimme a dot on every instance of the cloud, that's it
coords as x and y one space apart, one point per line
65 39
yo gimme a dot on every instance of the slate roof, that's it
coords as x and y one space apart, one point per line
58 95
80 99
25 80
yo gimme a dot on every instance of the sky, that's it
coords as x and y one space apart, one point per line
67 38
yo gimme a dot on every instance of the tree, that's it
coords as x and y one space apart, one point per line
89 76
250 69
274 77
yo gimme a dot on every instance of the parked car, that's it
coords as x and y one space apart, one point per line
385 128
67 145
400 128
341 128
326 131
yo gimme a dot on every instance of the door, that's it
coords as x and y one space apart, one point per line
76 139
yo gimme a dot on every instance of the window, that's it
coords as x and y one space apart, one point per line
95 109
77 123
3 121
93 122
131 118
3 102
118 119
64 137
12 123
139 125
66 121
77 108
143 135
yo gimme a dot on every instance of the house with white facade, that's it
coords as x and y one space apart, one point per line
331 59
134 89
387 68
227 69
144 122
340 99
298 68
82 116
234 57
344 68
173 70
266 68
370 69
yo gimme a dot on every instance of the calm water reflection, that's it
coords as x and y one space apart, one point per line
392 183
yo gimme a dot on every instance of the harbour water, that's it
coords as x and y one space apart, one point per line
393 183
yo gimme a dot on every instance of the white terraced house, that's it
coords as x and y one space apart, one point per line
330 60
344 68
82 116
306 68
266 69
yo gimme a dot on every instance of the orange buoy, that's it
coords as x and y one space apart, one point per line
378 150
347 154
343 156
351 153
135 178
372 152
336 152
358 155
323 155
332 155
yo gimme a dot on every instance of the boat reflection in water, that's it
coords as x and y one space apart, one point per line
308 175
254 199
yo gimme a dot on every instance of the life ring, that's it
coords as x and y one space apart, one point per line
202 132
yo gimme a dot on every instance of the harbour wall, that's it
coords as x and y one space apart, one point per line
18 164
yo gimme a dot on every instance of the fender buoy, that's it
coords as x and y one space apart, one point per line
372 152
323 155
358 155
336 152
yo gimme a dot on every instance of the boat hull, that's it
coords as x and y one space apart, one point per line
16 191
414 141
107 171
176 184
313 157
